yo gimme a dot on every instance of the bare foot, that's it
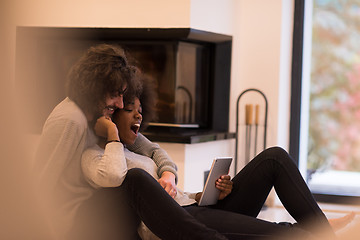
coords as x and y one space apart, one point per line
339 223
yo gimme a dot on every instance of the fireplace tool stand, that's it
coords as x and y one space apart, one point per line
249 123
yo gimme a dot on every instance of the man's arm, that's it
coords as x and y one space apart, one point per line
144 146
60 142
167 169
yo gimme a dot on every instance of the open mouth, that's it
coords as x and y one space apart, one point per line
135 128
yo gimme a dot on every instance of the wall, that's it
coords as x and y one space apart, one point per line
106 13
194 159
261 59
261 31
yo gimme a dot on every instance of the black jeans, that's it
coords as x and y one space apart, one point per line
235 216
115 213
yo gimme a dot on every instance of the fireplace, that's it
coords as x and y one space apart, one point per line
191 69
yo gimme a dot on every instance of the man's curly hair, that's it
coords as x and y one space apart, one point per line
103 70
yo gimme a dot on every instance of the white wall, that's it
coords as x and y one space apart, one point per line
105 13
194 159
213 15
262 58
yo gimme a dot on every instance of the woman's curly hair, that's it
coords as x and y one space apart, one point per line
103 70
147 96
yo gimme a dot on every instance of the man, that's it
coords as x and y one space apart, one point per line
95 87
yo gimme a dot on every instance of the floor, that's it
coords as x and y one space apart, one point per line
277 213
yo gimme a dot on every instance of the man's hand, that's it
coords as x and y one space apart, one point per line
167 181
225 185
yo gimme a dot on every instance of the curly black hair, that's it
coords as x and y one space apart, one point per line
147 96
103 70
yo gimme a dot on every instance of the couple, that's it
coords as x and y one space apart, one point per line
102 177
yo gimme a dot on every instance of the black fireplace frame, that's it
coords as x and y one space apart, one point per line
219 70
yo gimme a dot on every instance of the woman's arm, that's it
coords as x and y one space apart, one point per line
104 168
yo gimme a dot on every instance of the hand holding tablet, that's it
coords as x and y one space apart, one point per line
210 195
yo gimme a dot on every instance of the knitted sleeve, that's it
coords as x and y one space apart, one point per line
152 150
62 141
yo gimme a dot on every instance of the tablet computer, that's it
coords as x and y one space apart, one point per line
219 167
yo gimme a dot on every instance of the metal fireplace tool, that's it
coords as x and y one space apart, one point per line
249 123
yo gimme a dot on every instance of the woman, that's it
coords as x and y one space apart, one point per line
240 201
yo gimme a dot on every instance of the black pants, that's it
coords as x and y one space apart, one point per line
235 216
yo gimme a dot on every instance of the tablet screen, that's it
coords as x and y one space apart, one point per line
219 167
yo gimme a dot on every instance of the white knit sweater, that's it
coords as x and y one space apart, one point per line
108 168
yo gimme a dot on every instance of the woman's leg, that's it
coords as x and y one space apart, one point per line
162 215
274 168
239 226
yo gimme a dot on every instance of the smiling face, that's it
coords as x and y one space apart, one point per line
128 121
112 102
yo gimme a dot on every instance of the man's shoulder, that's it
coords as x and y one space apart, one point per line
67 110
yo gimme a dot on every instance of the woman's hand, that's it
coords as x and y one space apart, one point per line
106 128
198 196
167 181
225 185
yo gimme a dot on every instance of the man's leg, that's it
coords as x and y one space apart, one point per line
106 215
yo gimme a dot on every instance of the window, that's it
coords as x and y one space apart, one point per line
329 147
